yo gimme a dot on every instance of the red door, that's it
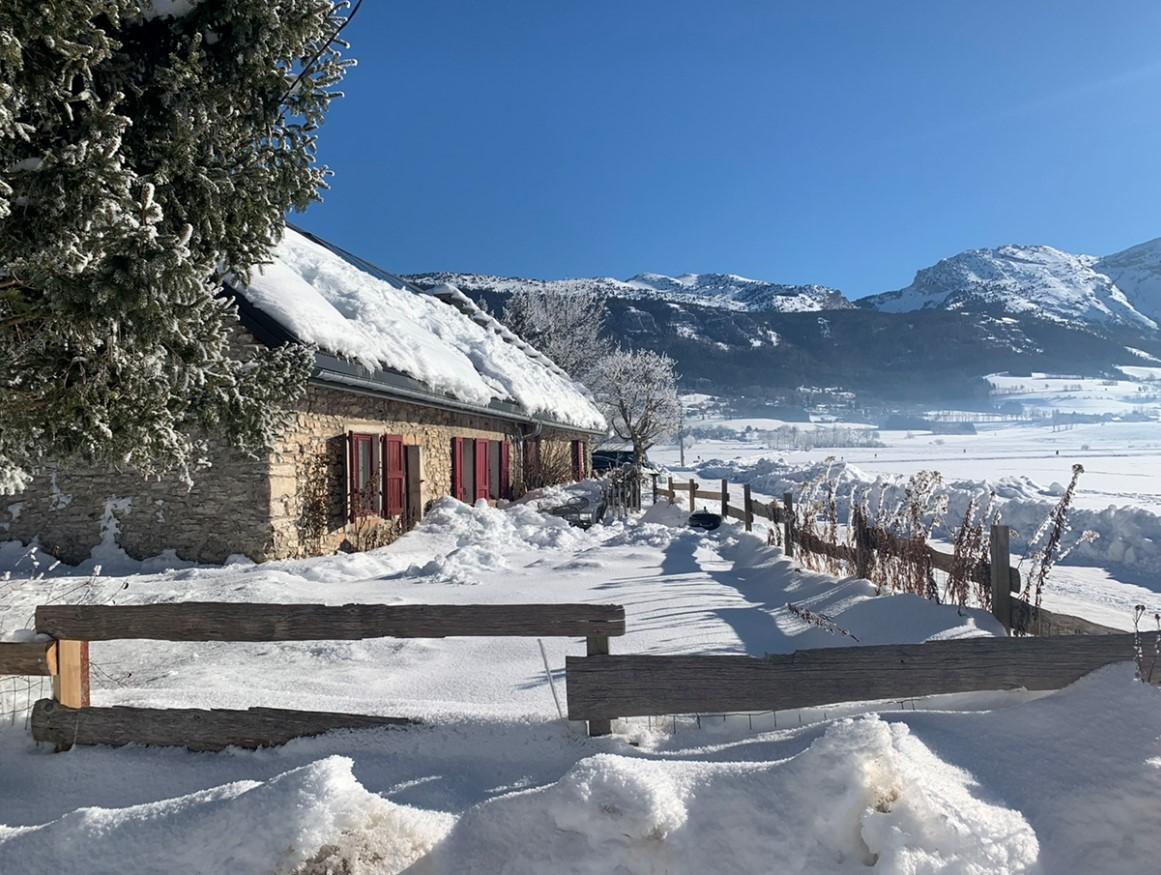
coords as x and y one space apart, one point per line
394 483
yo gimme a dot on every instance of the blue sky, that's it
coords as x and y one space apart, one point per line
843 143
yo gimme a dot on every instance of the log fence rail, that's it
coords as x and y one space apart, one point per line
65 631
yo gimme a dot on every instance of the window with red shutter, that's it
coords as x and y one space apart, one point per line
362 467
394 483
481 470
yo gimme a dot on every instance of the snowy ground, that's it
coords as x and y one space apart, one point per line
495 781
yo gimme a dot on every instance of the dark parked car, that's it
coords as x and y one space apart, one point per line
607 460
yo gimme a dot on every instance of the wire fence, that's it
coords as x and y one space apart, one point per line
18 693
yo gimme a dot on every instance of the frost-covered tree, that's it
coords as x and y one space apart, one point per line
638 393
148 148
565 326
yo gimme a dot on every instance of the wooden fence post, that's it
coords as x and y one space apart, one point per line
692 495
725 500
748 508
598 645
1001 579
655 489
70 684
788 523
864 549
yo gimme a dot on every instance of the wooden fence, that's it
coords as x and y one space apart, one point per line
68 719
998 574
600 686
606 687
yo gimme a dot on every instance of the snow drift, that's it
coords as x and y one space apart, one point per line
864 794
316 818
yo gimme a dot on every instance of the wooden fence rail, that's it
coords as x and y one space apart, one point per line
606 687
194 728
37 658
67 719
237 621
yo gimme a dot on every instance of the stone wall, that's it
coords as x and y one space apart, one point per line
292 503
72 511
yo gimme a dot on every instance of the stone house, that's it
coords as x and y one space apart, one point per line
415 395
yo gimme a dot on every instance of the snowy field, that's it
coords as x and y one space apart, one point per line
496 781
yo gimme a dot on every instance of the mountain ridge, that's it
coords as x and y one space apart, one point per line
724 291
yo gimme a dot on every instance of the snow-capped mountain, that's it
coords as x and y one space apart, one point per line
1137 273
723 291
1037 281
733 292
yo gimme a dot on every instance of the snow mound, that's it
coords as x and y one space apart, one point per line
866 793
344 308
313 819
485 537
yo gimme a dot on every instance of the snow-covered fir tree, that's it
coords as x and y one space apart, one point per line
148 148
637 391
565 326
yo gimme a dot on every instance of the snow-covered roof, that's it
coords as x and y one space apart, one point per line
353 310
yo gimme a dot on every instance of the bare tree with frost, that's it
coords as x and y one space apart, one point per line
637 392
148 148
565 326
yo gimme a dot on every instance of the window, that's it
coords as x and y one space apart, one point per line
480 469
377 476
499 469
362 471
464 469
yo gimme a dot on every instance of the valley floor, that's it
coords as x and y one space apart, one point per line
495 781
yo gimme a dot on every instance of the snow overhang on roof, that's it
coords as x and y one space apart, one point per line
374 332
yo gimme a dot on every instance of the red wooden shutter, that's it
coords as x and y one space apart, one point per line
458 468
393 481
351 476
481 469
505 471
